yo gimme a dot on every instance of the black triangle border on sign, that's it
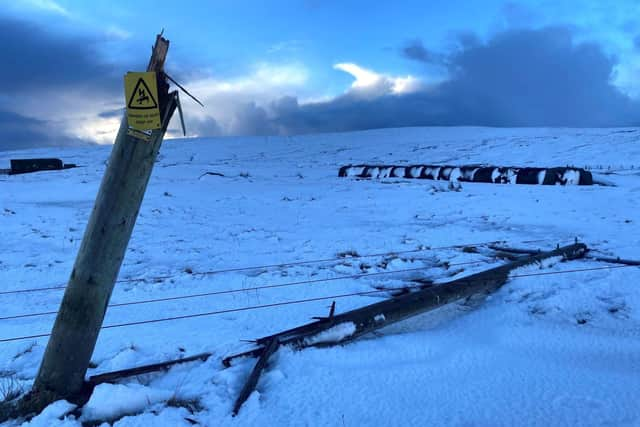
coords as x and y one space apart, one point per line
133 95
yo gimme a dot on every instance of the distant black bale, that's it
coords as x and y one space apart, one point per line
399 172
559 176
343 172
445 173
467 173
385 171
430 172
484 174
371 172
34 165
585 177
528 175
413 171
503 176
554 176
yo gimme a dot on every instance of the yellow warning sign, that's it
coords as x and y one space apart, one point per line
141 92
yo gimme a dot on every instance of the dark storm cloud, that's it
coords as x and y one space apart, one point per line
415 50
207 126
251 119
535 78
39 63
18 132
517 78
36 59
112 114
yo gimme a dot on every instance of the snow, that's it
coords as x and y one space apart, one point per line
456 174
355 171
332 335
571 177
56 412
543 350
111 401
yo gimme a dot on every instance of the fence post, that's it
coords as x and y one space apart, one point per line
75 332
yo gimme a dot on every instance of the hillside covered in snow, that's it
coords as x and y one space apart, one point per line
225 217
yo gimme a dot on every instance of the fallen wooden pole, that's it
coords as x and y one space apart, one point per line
516 251
519 251
109 377
341 328
614 260
411 304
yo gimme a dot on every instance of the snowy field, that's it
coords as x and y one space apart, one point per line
561 349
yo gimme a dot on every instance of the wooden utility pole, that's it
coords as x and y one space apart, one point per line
103 247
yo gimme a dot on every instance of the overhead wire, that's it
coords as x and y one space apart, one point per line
268 266
258 288
301 301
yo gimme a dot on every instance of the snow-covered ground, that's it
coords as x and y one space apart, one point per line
544 350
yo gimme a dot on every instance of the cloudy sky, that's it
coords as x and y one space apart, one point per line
302 66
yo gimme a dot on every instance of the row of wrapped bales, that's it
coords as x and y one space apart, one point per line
474 173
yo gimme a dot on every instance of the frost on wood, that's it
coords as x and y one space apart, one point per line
380 318
332 335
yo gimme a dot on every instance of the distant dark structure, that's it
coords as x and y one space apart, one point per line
474 173
19 166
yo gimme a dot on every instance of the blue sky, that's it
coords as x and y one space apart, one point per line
286 67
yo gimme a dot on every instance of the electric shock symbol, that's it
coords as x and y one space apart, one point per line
141 98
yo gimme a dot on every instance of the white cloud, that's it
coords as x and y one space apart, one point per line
225 98
117 33
263 79
625 78
369 83
71 111
233 100
45 5
231 104
364 78
408 84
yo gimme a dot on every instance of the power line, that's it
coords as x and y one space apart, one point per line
20 291
287 264
301 301
257 288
